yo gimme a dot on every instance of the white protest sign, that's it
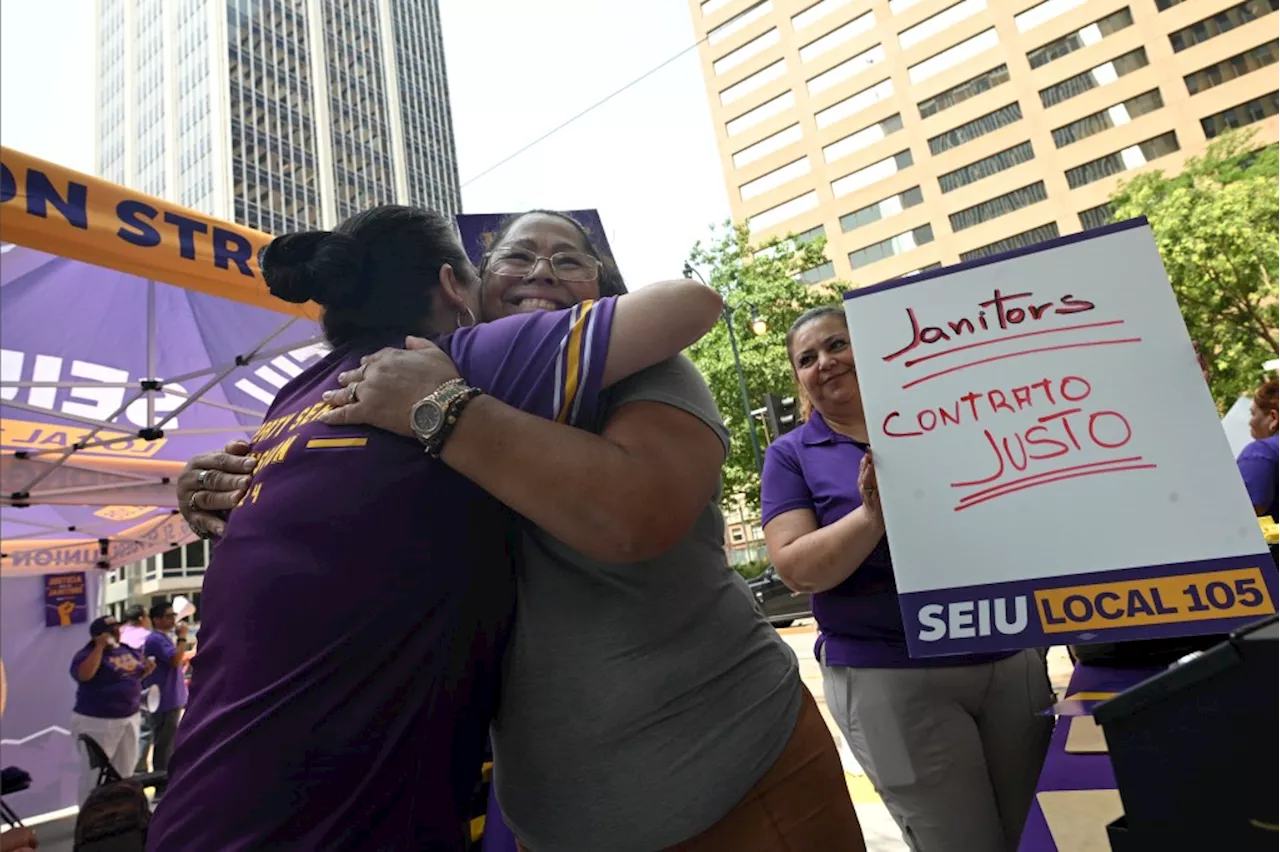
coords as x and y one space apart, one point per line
1051 465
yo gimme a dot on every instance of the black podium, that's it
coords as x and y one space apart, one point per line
1195 750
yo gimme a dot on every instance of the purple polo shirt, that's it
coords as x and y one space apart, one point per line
859 621
355 614
1257 463
115 690
173 686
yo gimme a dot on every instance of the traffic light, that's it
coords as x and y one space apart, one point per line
781 413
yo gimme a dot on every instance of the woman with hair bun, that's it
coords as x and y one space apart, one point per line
355 610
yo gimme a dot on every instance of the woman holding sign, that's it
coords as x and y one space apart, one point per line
952 744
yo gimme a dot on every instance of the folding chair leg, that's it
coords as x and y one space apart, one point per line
9 816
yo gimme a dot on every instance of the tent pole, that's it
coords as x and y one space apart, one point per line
151 350
96 429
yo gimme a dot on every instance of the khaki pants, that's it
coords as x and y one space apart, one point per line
118 738
954 751
800 805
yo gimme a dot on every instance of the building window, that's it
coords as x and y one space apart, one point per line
846 70
783 212
925 268
737 535
1162 5
810 235
883 209
740 21
868 175
860 139
774 179
846 32
853 104
986 167
1121 113
818 10
1238 116
1132 157
758 80
1224 21
1026 238
961 93
941 22
764 112
1232 67
1042 13
756 46
898 244
768 145
821 272
710 6
1096 217
980 126
1107 72
999 206
171 563
1083 37
953 56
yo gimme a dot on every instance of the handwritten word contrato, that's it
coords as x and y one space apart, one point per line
1006 316
973 406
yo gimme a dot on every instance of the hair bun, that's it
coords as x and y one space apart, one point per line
313 266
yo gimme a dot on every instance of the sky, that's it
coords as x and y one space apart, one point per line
647 159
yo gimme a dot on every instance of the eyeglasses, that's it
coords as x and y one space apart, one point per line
565 265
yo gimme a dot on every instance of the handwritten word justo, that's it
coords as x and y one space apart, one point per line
971 407
1006 316
1052 436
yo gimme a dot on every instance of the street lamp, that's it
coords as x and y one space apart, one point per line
759 328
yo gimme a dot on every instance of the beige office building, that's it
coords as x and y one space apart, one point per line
915 133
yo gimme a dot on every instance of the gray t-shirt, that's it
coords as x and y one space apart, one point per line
640 702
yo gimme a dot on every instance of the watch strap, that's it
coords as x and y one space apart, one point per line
452 411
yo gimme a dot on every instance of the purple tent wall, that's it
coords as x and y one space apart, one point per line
35 727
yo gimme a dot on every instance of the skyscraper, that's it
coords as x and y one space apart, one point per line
279 114
914 133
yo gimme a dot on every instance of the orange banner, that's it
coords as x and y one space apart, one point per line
52 209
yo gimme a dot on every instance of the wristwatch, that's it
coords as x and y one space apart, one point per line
433 417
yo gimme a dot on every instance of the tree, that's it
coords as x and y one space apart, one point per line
757 282
1215 226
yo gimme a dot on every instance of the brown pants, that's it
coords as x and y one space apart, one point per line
801 804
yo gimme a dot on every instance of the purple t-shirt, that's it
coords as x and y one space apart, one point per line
859 621
1257 463
173 686
355 613
115 691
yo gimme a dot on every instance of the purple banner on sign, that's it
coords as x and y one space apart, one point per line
65 599
478 229
1154 602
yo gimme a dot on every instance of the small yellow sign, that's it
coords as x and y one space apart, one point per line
29 435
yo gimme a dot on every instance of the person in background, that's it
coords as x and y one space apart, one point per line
1258 460
108 696
134 633
168 676
952 744
136 627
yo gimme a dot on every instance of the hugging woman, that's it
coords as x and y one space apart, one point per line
645 703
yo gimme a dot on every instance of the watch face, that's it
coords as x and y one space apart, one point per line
427 418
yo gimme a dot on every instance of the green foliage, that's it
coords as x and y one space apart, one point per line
1215 225
751 570
762 278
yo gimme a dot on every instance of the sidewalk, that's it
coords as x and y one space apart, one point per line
878 828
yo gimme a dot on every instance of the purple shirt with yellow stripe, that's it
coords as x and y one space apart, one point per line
355 614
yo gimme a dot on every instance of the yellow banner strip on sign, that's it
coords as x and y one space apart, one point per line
1236 593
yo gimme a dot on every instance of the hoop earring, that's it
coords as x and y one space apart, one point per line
470 315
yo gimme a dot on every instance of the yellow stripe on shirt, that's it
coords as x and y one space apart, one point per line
574 362
335 443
